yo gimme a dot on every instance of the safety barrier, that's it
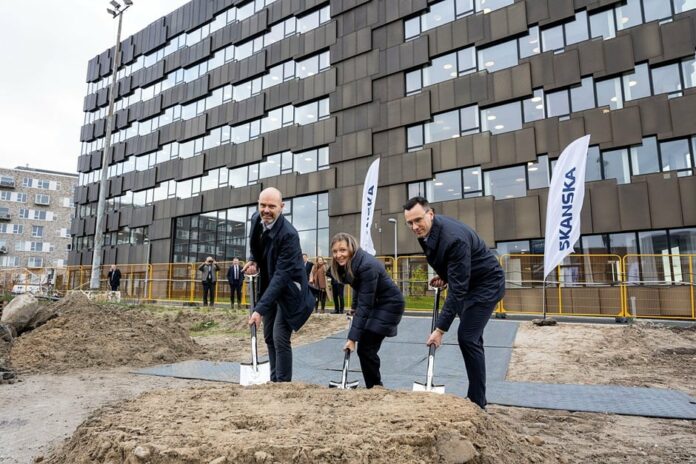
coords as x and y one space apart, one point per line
605 285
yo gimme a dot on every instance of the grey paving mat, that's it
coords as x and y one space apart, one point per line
404 361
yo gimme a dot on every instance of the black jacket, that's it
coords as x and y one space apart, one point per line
114 277
377 300
283 279
240 276
308 267
462 259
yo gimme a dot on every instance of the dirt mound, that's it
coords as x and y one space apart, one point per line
89 334
296 423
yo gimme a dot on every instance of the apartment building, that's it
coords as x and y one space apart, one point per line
36 211
468 102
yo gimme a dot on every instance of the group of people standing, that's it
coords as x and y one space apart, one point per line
319 275
460 257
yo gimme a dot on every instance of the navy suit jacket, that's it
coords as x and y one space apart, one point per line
240 276
462 259
283 279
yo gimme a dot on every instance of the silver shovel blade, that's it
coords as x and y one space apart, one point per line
421 387
340 386
250 376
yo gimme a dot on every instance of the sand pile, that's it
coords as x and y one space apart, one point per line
295 423
89 334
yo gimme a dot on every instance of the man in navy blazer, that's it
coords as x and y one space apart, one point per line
285 302
235 277
475 280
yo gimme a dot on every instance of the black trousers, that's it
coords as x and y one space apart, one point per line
208 289
320 300
235 289
470 336
277 333
339 301
114 288
368 346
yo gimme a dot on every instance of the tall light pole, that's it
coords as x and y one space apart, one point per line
117 12
396 253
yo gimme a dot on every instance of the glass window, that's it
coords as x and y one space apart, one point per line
616 166
582 96
414 135
413 82
623 243
595 244
602 24
272 121
472 182
576 31
552 39
441 69
557 103
305 161
644 159
593 168
466 60
689 70
306 114
439 14
676 156
538 172
529 44
666 79
684 5
512 248
469 120
656 9
637 84
270 167
503 118
444 126
238 177
489 5
533 108
304 212
307 68
308 22
498 57
446 186
629 15
683 241
609 93
412 27
505 183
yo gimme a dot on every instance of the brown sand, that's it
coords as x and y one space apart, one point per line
295 423
641 355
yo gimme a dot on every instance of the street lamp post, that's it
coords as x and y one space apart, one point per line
396 253
116 12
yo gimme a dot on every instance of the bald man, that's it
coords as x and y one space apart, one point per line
285 302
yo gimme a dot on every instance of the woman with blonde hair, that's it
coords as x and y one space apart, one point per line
317 278
377 302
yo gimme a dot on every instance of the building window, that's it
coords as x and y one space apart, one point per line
499 56
676 156
558 37
637 84
34 261
538 173
582 97
37 231
505 183
609 93
42 199
502 118
23 213
645 157
667 79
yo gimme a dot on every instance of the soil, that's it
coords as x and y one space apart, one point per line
639 355
109 415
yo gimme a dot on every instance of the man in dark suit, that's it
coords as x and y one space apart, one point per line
308 265
475 280
114 277
285 302
209 270
235 277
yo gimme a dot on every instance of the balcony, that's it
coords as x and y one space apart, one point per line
41 199
4 215
7 182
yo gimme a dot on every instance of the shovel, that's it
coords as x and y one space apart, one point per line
254 373
344 384
428 385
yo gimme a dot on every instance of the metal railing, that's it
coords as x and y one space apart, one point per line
605 285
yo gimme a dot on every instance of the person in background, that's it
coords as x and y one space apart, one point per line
378 304
337 289
114 277
285 302
475 280
235 277
317 279
209 270
307 264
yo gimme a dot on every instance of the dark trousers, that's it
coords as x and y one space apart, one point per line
321 299
339 301
235 289
276 333
208 289
470 335
368 346
114 287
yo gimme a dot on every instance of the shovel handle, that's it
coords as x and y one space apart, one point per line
436 309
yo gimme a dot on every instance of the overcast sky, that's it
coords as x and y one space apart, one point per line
44 49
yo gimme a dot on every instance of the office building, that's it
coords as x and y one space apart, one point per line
468 102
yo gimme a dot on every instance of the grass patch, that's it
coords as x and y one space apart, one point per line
204 326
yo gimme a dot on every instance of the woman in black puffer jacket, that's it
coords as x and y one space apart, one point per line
377 302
